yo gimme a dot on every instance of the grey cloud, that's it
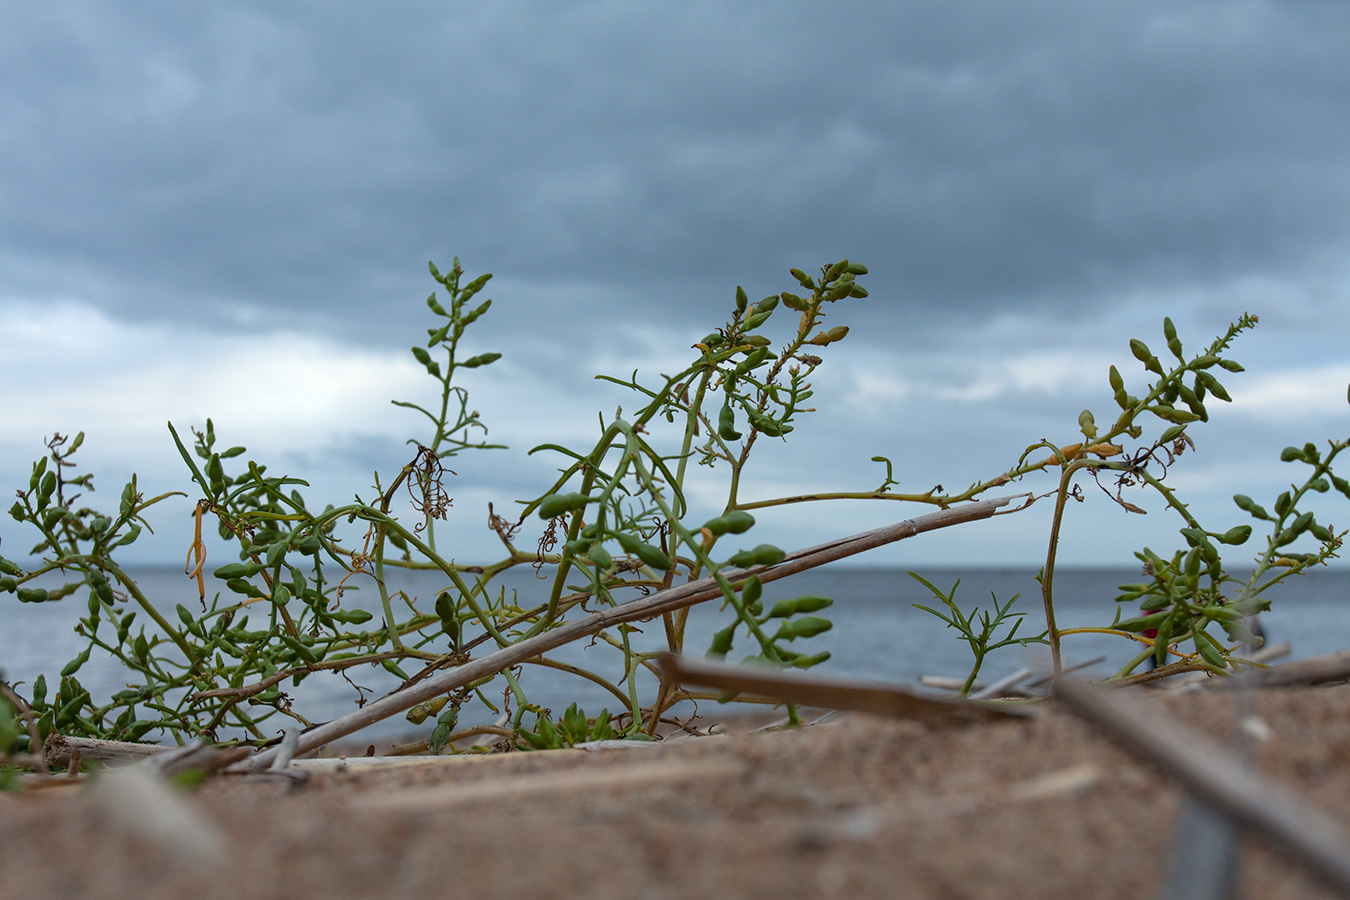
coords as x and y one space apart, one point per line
309 159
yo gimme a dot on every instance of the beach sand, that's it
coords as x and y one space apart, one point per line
852 807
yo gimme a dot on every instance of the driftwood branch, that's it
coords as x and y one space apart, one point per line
59 749
1326 669
1220 780
831 693
648 607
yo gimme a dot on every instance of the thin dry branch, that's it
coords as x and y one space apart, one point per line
832 693
1219 779
1325 669
645 608
59 749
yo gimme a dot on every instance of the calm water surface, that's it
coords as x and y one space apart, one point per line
877 634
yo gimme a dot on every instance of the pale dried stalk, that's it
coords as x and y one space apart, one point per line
832 693
59 749
1219 779
645 608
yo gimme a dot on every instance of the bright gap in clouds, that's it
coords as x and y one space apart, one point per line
953 412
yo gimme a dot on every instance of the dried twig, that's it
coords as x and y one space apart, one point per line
1220 779
831 693
1331 667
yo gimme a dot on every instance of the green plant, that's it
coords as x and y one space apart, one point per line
981 640
614 520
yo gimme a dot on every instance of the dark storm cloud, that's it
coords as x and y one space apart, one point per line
169 160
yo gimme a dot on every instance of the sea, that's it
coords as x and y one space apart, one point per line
878 634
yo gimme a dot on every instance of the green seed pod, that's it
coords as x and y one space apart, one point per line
392 668
766 424
754 320
281 595
1251 506
1283 503
762 555
1117 383
481 359
32 595
713 339
1211 384
783 609
74 665
1289 454
1210 653
1172 414
215 473
792 301
600 557
556 504
1173 342
1341 485
653 557
726 424
477 312
231 570
445 611
738 521
47 488
805 627
752 590
836 270
811 603
351 616
276 552
856 268
1087 424
1160 643
645 552
1301 524
1192 401
803 279
742 301
9 568
721 643
837 333
1236 536
1238 631
718 526
756 340
1143 623
806 662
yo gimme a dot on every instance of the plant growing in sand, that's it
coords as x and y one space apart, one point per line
614 523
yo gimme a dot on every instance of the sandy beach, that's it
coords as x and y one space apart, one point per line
853 807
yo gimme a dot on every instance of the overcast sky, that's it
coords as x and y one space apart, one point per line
227 209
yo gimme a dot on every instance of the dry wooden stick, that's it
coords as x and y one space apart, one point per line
1323 669
1220 780
831 693
59 749
645 608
